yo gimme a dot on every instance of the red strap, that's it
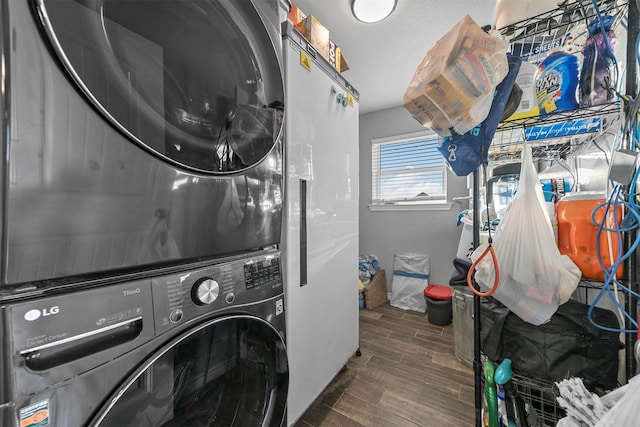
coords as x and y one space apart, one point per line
488 250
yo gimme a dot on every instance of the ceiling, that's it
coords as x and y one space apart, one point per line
383 57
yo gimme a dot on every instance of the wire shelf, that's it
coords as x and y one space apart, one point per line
557 135
541 396
562 133
570 15
608 109
533 39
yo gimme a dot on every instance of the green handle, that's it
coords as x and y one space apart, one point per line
491 394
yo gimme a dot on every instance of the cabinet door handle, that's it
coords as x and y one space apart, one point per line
303 232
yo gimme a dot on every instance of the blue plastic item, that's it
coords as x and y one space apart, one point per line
557 83
554 189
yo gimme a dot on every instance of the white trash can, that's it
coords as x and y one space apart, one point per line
410 277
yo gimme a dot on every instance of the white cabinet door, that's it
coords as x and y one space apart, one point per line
321 227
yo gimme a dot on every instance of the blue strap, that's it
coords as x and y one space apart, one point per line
412 275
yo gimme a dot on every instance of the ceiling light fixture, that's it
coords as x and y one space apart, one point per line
370 11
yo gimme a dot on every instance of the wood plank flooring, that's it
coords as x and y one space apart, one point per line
407 376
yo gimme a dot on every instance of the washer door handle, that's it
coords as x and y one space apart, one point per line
66 350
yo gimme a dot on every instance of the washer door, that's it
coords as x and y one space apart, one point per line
196 82
228 372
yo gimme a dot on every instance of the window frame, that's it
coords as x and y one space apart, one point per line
412 203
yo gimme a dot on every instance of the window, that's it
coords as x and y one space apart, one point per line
408 170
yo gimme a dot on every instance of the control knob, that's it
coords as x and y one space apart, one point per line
205 291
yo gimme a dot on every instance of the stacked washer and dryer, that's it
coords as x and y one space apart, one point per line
142 201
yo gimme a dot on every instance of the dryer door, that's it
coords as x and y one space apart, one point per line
136 133
228 372
196 82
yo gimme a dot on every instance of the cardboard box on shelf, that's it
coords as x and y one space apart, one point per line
295 14
342 65
316 33
334 51
375 293
335 57
429 108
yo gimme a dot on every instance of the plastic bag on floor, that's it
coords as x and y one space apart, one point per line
534 278
410 277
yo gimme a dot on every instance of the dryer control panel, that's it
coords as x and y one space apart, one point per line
261 272
180 297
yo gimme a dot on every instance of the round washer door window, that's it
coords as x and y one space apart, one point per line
229 372
196 82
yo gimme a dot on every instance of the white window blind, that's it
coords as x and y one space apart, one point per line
408 169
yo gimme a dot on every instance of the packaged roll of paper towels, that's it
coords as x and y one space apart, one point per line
511 11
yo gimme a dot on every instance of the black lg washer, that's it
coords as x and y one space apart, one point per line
201 347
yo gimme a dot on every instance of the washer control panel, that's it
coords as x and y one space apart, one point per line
180 297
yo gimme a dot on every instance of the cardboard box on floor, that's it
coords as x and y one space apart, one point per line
375 293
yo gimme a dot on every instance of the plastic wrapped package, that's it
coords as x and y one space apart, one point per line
465 153
511 11
598 75
410 277
452 89
368 265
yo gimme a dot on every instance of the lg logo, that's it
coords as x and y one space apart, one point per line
35 314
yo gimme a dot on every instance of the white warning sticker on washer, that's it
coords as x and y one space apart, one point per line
279 307
36 415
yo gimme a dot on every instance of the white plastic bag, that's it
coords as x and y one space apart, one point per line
616 408
534 278
624 403
410 277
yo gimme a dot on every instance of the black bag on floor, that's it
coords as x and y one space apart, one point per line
568 345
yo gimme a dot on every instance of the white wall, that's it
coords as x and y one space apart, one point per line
433 233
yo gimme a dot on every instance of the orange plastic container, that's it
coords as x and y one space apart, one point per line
577 236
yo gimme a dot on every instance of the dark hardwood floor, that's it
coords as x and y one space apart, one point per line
407 376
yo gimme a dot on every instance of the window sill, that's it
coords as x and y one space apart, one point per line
415 207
